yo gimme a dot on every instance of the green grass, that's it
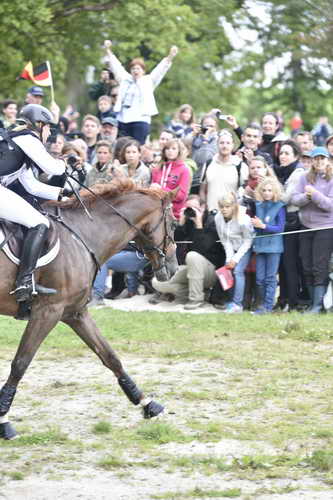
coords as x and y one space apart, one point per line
102 428
200 493
177 335
160 433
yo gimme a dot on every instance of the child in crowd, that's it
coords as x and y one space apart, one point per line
235 231
181 125
270 218
131 164
172 173
104 104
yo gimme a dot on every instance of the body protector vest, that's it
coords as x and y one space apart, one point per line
11 155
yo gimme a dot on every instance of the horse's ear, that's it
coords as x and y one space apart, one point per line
172 194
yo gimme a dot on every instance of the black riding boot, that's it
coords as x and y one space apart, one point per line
32 247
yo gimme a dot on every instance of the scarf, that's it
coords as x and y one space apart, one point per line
283 173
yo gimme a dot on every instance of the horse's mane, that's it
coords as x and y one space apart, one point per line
110 190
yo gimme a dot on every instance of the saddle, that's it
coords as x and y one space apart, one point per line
12 237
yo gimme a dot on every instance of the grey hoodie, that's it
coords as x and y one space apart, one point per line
235 235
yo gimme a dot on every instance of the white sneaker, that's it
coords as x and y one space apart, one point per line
233 309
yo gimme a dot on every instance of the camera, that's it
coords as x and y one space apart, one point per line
203 129
189 213
72 160
220 116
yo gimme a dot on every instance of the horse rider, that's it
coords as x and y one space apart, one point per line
26 143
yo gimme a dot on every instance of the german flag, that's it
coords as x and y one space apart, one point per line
41 75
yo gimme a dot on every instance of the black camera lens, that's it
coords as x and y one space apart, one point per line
189 212
72 160
204 129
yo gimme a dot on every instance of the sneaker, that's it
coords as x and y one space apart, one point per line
96 302
233 309
193 304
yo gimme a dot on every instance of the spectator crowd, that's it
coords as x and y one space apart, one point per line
254 202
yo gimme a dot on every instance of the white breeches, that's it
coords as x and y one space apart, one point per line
16 209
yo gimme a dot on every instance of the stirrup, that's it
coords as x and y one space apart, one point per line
26 291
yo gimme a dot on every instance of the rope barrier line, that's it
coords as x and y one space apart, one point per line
276 234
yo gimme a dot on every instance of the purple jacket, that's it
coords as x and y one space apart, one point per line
317 212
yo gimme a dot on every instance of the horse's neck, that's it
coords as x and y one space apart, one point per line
107 233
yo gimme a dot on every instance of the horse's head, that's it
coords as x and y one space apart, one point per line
158 242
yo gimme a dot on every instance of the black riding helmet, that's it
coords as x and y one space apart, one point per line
35 113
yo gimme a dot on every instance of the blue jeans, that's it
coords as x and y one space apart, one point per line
125 262
239 276
137 130
267 265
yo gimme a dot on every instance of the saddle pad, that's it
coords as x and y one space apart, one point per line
42 261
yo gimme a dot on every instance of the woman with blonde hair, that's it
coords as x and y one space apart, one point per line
236 233
314 196
269 221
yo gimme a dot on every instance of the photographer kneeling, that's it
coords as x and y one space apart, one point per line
204 255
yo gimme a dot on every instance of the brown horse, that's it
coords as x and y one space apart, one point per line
120 213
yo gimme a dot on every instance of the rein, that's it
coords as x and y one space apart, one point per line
149 247
57 217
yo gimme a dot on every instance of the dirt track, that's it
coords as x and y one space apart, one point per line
76 394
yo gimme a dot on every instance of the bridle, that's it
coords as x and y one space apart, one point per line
147 247
162 248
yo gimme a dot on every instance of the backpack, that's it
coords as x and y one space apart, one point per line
11 155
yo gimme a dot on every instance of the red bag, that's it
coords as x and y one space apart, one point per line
225 277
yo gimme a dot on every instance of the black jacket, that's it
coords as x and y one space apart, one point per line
204 241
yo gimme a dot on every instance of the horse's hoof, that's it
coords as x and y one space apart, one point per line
7 431
152 409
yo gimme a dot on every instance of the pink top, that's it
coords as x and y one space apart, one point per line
172 175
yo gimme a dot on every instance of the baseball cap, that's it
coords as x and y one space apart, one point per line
319 151
308 154
38 91
109 120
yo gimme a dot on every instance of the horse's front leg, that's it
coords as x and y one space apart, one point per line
88 331
43 319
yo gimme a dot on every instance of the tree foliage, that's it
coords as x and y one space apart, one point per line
288 67
70 34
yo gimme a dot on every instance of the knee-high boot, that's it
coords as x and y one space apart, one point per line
32 247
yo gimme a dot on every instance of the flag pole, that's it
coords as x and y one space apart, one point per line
51 79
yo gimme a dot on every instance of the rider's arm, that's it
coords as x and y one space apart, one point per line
35 150
37 188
